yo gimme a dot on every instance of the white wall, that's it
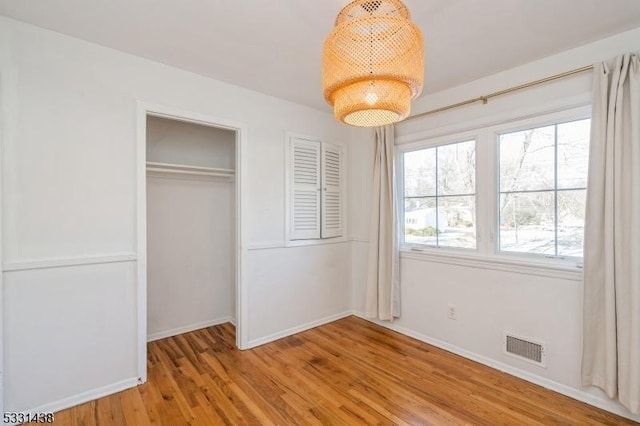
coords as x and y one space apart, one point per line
68 331
321 293
492 299
178 142
190 254
68 117
190 229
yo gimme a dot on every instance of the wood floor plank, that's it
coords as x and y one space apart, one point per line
380 369
349 372
110 411
135 413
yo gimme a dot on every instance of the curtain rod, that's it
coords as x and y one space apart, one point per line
484 99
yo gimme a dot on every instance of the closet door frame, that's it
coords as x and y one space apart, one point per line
145 110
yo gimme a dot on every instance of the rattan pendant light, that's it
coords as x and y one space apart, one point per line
373 63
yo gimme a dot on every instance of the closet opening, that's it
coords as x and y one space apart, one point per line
189 238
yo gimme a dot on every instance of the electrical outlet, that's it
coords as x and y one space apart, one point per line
453 312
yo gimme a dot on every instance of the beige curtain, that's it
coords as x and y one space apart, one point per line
383 283
611 329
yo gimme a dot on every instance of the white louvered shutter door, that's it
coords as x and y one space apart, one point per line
305 189
332 170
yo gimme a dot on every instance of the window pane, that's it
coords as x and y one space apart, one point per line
456 222
527 222
573 154
420 221
527 159
457 168
420 173
571 208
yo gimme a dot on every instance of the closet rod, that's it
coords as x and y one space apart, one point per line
484 99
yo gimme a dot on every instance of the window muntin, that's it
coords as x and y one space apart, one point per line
440 196
542 189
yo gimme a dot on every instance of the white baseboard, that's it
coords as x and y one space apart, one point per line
187 328
81 398
297 329
587 398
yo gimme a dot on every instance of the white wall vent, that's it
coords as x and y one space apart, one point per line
525 349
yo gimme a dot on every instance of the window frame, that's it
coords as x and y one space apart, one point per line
527 124
434 144
422 145
487 224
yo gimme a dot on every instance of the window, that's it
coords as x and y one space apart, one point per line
543 181
440 196
515 190
315 195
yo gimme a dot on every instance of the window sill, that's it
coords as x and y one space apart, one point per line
502 263
315 242
296 243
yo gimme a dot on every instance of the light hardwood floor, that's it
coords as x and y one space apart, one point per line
347 372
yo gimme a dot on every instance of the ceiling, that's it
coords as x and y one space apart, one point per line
274 47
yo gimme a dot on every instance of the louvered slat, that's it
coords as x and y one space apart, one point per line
332 225
305 189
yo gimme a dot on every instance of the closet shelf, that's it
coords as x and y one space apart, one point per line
188 170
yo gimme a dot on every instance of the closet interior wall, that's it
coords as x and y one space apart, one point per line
190 227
